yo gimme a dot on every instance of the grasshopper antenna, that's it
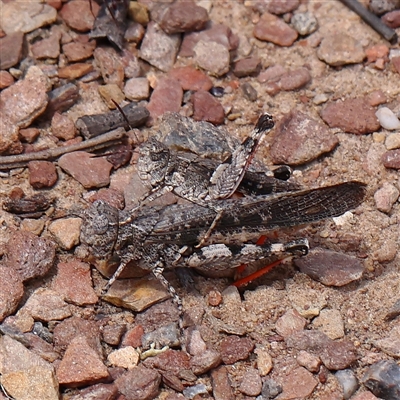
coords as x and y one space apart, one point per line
125 118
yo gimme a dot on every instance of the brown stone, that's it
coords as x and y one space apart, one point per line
250 66
74 71
77 51
351 115
139 383
207 108
183 16
42 174
31 256
6 79
234 348
80 14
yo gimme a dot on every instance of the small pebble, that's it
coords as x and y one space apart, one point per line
309 361
207 108
66 231
28 135
26 16
221 385
141 380
213 57
29 255
320 98
264 361
380 7
273 29
249 92
111 93
192 391
167 96
111 65
387 119
250 66
205 361
77 51
348 381
214 298
139 13
331 323
235 348
270 389
42 174
351 115
383 379
217 91
62 127
385 197
298 383
391 159
74 282
6 79
330 267
127 357
158 48
340 49
137 89
11 291
79 15
289 323
299 138
191 78
81 365
11 49
74 71
376 98
183 17
392 19
251 384
304 23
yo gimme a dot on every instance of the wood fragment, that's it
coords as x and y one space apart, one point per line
94 125
22 160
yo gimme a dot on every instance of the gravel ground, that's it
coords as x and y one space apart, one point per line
321 327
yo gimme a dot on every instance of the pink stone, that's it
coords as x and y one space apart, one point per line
351 115
88 170
74 282
273 29
167 96
81 365
191 78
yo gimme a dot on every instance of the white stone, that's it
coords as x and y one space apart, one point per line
387 119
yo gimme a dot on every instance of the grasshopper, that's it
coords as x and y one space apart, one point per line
165 237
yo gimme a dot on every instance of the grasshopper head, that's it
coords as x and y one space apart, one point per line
153 161
99 230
